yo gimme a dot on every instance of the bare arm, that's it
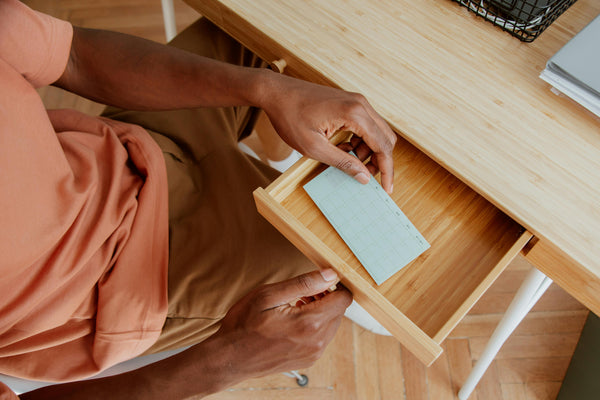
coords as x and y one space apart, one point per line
138 74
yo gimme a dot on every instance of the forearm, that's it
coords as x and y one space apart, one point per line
134 73
198 371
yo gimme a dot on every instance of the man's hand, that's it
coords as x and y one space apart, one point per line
307 115
271 331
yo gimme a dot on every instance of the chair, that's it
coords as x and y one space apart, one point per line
19 385
169 19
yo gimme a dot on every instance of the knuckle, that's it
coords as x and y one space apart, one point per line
359 97
355 107
347 300
389 143
393 138
320 346
315 326
386 143
310 144
344 164
344 299
310 328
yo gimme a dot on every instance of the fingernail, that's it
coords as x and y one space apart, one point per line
328 274
362 178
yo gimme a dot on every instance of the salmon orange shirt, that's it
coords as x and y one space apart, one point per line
83 219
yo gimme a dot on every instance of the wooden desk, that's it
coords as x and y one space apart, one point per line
464 93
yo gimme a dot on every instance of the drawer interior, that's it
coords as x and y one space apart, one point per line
471 240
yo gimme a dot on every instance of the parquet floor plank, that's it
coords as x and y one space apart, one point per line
342 363
439 381
536 322
542 390
459 357
514 391
415 377
391 376
527 370
366 365
489 387
530 346
274 394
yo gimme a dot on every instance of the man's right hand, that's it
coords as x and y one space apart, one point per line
271 331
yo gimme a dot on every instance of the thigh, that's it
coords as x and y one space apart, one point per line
220 247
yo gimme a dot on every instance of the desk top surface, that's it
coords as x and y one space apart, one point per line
463 91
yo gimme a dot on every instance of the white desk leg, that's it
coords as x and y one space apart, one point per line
169 19
531 290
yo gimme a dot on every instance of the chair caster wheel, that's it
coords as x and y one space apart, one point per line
302 380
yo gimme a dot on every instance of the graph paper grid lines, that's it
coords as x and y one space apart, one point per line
369 221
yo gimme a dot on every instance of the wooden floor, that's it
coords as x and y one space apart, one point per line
360 365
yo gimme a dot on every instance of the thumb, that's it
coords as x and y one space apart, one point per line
305 285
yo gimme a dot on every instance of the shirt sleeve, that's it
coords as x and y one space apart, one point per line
34 44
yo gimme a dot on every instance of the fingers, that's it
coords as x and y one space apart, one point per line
363 152
332 303
358 146
378 140
382 161
317 321
289 291
386 166
334 156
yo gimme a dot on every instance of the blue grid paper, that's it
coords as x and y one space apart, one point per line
369 221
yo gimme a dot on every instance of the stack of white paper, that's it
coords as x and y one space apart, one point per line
575 69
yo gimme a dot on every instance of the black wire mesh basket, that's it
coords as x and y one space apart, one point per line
525 19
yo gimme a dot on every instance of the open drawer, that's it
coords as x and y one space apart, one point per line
471 244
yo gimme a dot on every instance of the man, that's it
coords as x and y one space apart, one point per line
119 240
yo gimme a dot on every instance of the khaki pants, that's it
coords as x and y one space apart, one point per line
220 247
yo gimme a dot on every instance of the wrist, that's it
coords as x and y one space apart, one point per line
210 366
265 87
